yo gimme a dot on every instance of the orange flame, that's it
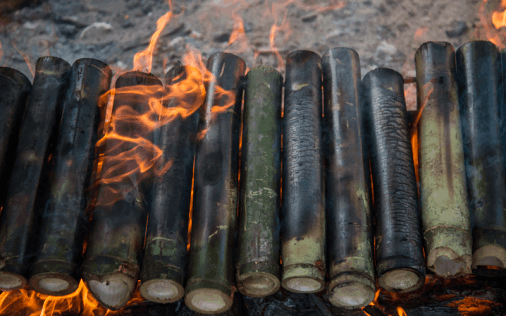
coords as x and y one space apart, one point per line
401 311
493 24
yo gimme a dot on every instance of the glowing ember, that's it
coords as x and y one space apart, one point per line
470 305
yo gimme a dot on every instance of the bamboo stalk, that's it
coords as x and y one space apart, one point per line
348 190
210 273
480 91
399 257
15 89
25 196
444 202
303 210
116 236
165 254
56 268
258 262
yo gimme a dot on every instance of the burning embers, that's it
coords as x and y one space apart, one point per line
102 179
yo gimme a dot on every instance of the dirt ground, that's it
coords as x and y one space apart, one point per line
385 33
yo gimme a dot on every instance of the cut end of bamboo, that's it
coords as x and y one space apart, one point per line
11 281
303 284
54 284
446 263
208 301
489 255
113 290
351 295
161 290
258 284
401 281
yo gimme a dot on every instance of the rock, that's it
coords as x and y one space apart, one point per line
195 34
458 28
96 29
309 17
222 38
67 30
29 25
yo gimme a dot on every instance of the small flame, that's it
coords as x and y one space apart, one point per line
401 311
25 57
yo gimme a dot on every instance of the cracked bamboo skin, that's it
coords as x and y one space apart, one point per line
116 235
443 192
15 89
400 265
303 206
480 94
165 252
64 216
24 200
348 187
210 284
258 269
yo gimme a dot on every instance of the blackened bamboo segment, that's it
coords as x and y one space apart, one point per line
443 191
15 89
25 195
211 273
258 269
399 256
479 81
165 255
56 268
114 251
303 210
348 191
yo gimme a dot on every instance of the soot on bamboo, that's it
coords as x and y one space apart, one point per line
480 91
116 236
56 268
209 288
348 190
15 89
258 268
443 192
27 188
303 207
165 254
400 264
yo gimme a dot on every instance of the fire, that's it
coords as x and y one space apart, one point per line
492 24
81 302
473 305
499 18
401 311
25 57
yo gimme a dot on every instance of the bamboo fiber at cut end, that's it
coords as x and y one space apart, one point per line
209 288
25 196
15 89
64 217
258 262
400 264
348 187
443 192
480 91
116 236
165 252
303 210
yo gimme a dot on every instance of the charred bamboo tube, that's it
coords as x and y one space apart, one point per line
258 263
348 190
165 254
27 187
211 273
116 236
399 256
15 89
56 268
443 191
303 209
479 81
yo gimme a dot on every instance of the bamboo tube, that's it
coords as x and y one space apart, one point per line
116 236
25 195
56 268
443 192
15 89
258 263
479 81
348 190
399 257
211 273
303 210
165 254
